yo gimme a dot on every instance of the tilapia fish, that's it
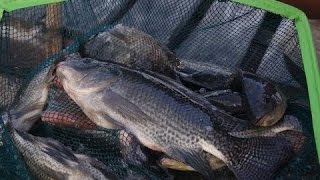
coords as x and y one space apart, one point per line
49 159
289 128
133 48
196 75
32 100
167 120
231 102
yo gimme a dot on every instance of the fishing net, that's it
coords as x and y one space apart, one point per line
221 32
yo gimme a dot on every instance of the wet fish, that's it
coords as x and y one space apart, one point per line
133 48
231 102
32 100
49 159
196 75
290 128
165 120
266 102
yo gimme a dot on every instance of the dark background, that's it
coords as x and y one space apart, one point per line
310 7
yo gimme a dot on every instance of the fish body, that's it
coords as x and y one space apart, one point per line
231 102
166 120
198 75
49 159
32 100
289 128
133 48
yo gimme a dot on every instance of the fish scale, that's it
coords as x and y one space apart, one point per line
131 84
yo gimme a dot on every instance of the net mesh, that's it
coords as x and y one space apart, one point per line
214 31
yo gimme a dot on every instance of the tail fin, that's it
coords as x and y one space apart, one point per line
296 138
260 158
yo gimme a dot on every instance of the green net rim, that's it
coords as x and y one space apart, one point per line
11 5
308 52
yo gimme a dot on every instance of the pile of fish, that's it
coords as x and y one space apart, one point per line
191 116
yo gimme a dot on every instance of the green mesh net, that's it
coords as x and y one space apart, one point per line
214 31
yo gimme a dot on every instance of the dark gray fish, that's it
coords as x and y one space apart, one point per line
290 128
32 100
196 75
166 120
136 49
133 48
231 102
266 103
47 158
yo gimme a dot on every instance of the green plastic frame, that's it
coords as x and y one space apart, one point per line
11 5
307 50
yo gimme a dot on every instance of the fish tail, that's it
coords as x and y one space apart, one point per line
252 158
259 157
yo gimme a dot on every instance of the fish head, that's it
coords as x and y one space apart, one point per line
86 75
266 102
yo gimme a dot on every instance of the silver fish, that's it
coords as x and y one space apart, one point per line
47 158
32 100
165 120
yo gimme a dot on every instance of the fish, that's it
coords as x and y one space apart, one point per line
289 128
266 103
61 109
32 100
231 102
229 123
47 158
166 120
136 49
196 75
133 48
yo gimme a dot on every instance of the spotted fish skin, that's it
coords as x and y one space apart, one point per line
133 48
164 119
32 100
49 159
